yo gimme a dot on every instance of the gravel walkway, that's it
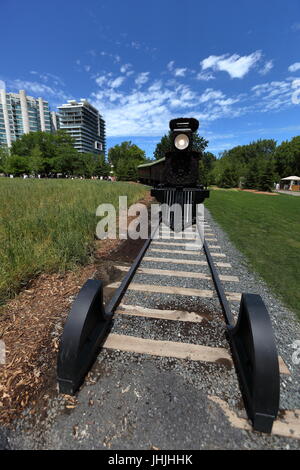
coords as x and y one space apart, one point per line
141 401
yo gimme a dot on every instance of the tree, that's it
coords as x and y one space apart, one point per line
246 164
66 160
252 177
121 169
287 158
125 150
90 164
4 155
55 151
199 143
266 178
16 165
206 164
126 170
27 142
125 158
102 168
229 177
35 161
162 147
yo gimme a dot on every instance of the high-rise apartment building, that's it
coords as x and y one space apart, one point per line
21 114
54 121
84 123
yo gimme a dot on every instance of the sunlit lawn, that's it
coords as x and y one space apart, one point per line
267 230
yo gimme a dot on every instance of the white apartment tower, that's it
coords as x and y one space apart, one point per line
84 124
21 114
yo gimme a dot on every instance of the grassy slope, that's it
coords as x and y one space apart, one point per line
267 230
49 225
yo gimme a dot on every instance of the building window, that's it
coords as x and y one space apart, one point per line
98 145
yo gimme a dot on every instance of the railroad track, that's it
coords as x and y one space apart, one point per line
168 306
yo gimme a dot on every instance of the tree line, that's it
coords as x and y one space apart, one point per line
41 153
45 154
257 165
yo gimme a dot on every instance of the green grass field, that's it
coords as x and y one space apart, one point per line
49 225
266 229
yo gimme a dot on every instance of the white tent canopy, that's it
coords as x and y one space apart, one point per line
291 178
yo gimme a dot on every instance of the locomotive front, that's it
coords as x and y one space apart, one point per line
180 191
182 163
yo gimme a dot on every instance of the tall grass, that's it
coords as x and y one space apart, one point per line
49 225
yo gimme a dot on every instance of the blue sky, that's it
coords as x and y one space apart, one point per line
234 64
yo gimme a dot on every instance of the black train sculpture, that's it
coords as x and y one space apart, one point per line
176 183
179 189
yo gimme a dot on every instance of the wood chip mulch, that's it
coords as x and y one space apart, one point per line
30 326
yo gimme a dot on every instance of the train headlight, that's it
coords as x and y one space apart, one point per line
181 141
182 130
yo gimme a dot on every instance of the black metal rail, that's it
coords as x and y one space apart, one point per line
253 350
120 291
87 326
218 285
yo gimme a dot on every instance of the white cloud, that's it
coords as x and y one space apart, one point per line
177 72
116 58
101 80
267 67
205 76
87 68
273 96
34 87
2 85
236 66
142 78
294 67
48 77
39 89
180 72
147 111
210 94
116 82
271 88
135 44
156 86
125 67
